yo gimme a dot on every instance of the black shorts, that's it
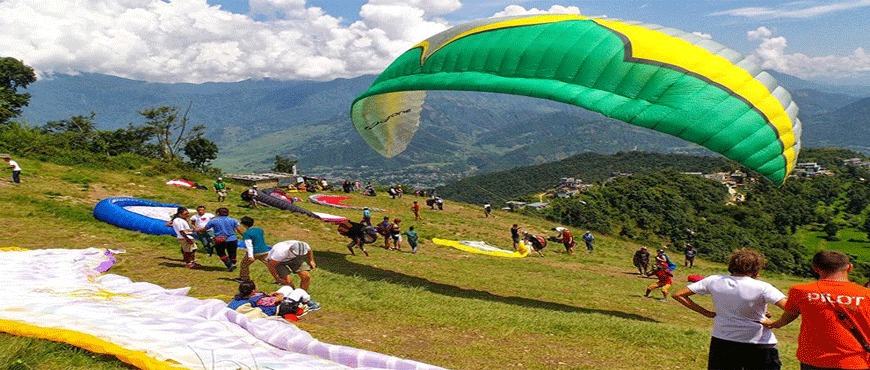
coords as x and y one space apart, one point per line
752 356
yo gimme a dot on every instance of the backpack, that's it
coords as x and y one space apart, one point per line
344 227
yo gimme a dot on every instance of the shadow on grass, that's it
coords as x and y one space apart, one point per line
339 264
182 265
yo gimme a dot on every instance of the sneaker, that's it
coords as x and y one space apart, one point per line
192 265
663 300
231 268
313 306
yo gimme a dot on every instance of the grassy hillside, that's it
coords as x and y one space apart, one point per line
441 306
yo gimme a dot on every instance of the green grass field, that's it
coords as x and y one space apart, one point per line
851 241
440 306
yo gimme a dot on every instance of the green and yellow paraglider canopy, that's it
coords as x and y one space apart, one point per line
646 75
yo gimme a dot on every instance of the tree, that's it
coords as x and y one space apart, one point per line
78 132
171 133
14 74
831 228
284 164
201 151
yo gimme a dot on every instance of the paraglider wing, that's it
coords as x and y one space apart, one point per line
659 78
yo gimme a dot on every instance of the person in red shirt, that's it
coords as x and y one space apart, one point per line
836 324
661 271
416 209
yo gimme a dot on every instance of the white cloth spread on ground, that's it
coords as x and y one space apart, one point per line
58 289
160 213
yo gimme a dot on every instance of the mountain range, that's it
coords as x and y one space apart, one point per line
463 133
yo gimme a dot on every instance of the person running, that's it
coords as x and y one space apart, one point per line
256 248
641 261
220 188
226 242
690 255
566 238
515 236
184 235
416 209
358 233
412 239
741 304
588 238
835 330
293 257
396 234
366 216
538 243
664 275
487 210
206 237
16 169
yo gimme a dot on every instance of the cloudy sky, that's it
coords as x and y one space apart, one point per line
231 40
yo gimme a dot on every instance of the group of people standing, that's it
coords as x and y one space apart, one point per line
219 234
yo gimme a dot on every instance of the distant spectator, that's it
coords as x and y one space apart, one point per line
13 165
641 261
220 188
588 238
739 340
416 209
690 254
366 216
440 203
487 210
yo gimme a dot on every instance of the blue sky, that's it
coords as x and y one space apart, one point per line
231 40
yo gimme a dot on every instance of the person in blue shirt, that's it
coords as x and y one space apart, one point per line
255 246
226 242
367 216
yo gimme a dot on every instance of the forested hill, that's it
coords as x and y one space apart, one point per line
520 182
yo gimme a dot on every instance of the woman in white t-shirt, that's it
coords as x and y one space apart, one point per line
741 303
184 234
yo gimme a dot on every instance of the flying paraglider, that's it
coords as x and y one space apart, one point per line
647 75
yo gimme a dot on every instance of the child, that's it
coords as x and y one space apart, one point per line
661 271
412 238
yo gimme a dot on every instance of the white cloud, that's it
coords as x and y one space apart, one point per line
771 54
804 9
191 41
514 10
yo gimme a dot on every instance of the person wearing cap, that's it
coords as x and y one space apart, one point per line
16 169
292 257
252 196
566 238
588 238
367 216
641 261
220 188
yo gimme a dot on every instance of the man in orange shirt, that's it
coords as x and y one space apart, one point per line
836 324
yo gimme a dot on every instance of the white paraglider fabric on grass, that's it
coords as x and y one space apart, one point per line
59 295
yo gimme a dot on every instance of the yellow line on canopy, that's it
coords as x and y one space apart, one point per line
87 342
655 46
